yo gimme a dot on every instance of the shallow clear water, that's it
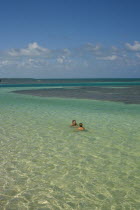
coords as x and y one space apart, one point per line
46 164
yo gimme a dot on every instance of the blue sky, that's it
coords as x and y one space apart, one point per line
69 38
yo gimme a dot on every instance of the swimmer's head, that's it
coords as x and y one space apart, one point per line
81 124
74 122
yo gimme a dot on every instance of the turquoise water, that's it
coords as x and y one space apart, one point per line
69 82
72 84
46 164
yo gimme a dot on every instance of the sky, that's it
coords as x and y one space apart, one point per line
69 39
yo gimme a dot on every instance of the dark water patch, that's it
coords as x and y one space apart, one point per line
129 95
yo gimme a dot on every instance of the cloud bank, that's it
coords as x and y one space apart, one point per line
133 47
89 60
33 49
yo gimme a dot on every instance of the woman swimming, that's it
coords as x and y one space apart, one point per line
74 123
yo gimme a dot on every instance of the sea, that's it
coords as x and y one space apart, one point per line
45 164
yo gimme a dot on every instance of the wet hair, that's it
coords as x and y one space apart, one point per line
74 123
80 124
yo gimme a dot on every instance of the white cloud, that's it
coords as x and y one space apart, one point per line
5 63
138 55
88 49
134 47
91 47
114 48
67 51
60 60
108 58
33 49
33 63
63 60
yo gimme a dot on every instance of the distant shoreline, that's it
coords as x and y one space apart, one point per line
127 94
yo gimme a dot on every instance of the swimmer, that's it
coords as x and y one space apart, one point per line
81 128
74 123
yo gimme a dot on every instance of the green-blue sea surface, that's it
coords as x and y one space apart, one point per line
46 164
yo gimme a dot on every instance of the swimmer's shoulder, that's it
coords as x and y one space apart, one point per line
81 128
